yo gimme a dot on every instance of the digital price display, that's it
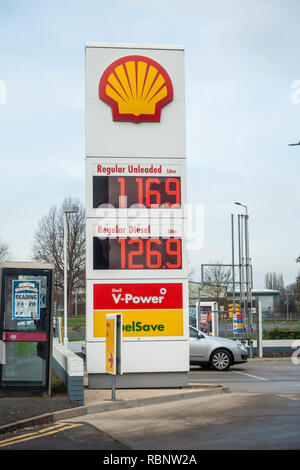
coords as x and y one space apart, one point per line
126 191
137 253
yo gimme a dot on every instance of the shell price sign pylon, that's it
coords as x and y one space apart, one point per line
135 196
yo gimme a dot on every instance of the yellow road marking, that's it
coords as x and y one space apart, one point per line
34 433
44 432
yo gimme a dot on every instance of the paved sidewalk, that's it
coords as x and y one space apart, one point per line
19 407
19 411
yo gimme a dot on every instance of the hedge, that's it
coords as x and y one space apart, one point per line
282 333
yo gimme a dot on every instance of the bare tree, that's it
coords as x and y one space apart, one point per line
193 272
4 251
49 242
274 281
216 279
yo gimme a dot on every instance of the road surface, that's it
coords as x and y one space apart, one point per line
261 412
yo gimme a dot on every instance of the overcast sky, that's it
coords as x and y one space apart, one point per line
242 109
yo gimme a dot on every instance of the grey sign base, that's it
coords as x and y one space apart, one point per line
141 380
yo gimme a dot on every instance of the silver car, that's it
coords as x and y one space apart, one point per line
214 352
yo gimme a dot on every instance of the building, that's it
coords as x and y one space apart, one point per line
270 299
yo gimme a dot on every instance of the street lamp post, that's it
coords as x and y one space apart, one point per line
246 207
291 145
68 209
248 277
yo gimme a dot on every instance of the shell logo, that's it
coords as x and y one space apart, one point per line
136 88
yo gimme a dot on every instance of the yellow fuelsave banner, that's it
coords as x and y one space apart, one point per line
110 345
139 323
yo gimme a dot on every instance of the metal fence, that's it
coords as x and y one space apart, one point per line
270 320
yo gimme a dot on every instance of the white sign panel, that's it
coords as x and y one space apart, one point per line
121 67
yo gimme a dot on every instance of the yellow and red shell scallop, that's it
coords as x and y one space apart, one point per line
136 88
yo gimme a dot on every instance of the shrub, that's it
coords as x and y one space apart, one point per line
282 333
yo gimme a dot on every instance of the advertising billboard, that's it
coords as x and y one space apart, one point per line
148 310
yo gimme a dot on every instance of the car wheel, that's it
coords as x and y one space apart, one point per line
220 360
